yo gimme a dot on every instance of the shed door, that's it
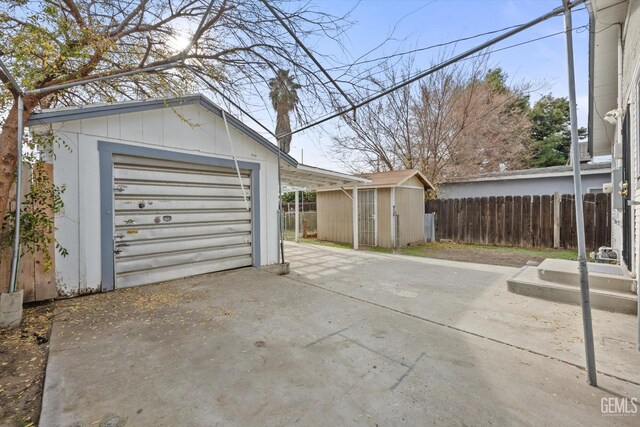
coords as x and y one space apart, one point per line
367 234
175 220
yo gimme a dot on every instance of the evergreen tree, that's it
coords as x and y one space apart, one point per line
283 91
551 132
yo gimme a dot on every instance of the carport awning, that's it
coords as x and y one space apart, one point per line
310 178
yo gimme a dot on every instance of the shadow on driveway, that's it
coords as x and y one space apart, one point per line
246 347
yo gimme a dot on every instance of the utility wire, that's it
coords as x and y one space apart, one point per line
227 98
450 61
525 42
424 48
307 51
433 46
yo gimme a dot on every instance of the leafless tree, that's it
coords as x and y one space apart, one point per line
452 123
382 135
237 44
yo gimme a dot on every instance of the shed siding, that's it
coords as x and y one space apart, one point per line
414 181
410 208
384 218
335 216
188 129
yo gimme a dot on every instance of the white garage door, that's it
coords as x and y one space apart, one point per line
175 220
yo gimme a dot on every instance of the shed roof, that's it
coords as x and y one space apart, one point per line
102 110
535 173
395 178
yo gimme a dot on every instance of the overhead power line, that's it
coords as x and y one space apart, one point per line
429 47
511 46
424 48
307 51
557 11
227 98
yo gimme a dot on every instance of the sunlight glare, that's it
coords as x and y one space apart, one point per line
179 41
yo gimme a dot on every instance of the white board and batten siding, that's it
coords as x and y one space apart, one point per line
188 129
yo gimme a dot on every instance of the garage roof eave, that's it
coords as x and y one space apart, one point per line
101 110
309 178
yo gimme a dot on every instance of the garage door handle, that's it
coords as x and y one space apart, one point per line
117 251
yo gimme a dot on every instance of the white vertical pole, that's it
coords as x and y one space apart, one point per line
577 185
392 208
297 218
13 282
354 197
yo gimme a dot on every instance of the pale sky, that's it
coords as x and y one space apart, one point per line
416 23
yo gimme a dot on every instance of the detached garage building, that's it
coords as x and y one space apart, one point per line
389 210
162 189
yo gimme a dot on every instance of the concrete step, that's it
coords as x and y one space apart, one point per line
605 277
527 282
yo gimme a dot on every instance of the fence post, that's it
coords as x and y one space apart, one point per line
296 222
556 220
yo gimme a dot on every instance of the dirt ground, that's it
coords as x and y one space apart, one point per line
481 254
23 359
24 351
495 255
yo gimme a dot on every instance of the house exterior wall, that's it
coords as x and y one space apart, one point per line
384 218
335 216
187 129
410 209
631 97
522 187
631 52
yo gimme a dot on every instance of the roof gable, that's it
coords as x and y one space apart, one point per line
395 178
103 110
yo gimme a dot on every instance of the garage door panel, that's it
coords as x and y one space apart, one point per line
180 191
125 280
125 161
132 176
168 231
175 219
159 246
150 218
148 262
157 205
165 191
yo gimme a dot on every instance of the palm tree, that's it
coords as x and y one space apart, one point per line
283 91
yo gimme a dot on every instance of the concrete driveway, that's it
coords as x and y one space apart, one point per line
346 338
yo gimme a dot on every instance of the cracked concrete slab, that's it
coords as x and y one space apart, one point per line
247 347
472 298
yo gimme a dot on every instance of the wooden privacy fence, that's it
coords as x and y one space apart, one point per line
37 281
527 221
